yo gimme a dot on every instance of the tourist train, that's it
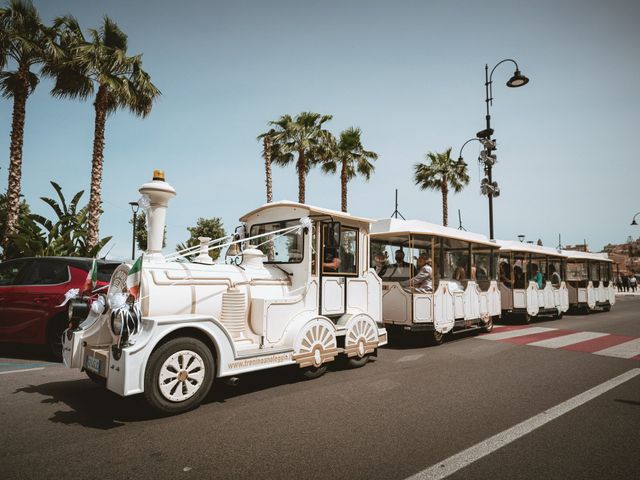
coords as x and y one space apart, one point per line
462 291
304 286
532 280
589 280
305 297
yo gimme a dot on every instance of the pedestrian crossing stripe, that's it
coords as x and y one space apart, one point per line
597 343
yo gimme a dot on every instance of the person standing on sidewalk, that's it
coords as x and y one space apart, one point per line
633 283
625 283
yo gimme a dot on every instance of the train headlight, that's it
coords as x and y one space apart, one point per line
77 311
117 324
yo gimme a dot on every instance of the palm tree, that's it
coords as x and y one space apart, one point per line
25 42
441 173
266 153
101 63
353 159
303 136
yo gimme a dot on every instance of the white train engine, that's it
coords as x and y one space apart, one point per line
300 291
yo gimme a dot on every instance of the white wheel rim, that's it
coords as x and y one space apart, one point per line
181 376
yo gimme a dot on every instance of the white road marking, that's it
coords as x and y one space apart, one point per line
466 457
22 370
516 333
410 358
567 339
623 350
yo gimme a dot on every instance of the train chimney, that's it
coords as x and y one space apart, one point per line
159 193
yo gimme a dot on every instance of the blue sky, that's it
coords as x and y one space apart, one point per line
410 74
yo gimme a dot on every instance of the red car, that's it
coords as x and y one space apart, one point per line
31 290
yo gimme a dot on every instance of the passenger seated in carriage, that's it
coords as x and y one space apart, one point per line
536 276
381 263
400 268
518 277
423 281
555 276
505 274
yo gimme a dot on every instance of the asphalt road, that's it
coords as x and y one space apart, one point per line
412 409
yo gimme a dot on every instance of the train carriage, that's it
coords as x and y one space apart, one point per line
590 281
532 280
462 293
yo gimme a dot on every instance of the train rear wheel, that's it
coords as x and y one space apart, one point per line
437 337
314 372
488 327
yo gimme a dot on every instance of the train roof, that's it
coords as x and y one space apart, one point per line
304 209
577 255
515 246
393 226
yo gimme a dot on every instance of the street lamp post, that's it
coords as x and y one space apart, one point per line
134 210
489 186
633 222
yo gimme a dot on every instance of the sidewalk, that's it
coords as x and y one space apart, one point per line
629 293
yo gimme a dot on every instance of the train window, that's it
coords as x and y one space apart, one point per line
340 257
481 265
520 267
390 258
504 270
454 260
279 248
555 272
594 271
577 271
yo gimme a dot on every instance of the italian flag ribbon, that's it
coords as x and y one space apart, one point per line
134 277
92 277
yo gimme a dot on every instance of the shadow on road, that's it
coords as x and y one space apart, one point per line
91 406
95 407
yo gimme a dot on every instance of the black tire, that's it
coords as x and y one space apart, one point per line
488 327
355 362
437 337
559 316
55 328
606 308
152 390
526 319
313 372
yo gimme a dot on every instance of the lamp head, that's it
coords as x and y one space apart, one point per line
518 80
521 238
634 221
461 162
134 206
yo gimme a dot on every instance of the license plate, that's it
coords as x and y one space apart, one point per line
92 364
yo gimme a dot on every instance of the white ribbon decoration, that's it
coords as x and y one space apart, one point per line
71 294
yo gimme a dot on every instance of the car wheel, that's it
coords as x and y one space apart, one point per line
179 375
55 329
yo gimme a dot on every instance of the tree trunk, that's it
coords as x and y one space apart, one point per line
97 160
302 174
15 155
445 204
267 168
343 181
